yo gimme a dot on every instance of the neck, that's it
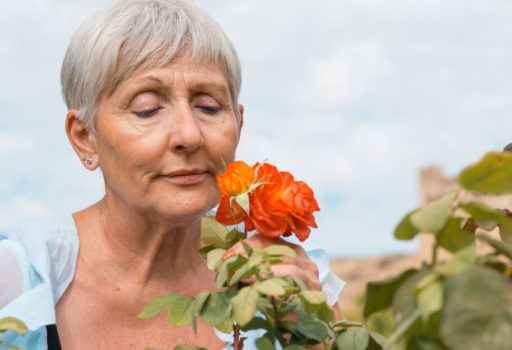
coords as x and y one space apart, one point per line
130 249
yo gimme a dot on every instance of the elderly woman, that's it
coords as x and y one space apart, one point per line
152 89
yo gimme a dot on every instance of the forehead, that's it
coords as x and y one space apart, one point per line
182 69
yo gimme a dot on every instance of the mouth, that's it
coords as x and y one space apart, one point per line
186 177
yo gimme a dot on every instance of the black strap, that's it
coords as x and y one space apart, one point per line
52 337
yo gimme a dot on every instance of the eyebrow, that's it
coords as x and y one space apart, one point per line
155 79
209 86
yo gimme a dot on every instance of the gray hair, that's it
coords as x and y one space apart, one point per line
130 36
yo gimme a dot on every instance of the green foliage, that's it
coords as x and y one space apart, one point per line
491 175
478 311
263 304
433 217
379 295
464 302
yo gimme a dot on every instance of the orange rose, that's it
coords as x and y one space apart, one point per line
237 179
279 206
229 215
282 206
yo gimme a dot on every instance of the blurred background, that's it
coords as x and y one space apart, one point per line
353 97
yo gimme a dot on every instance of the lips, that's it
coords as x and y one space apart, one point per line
186 177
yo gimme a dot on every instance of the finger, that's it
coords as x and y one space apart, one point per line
310 278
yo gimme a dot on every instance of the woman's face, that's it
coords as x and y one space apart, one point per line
162 137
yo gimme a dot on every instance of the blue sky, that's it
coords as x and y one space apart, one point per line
353 97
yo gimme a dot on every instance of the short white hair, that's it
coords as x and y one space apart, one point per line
133 35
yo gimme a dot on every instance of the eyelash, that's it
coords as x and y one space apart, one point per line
210 110
145 114
149 113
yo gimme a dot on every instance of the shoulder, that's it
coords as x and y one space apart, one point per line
38 260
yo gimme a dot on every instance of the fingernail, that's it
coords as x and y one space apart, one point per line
229 253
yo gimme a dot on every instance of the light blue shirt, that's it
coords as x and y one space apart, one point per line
38 262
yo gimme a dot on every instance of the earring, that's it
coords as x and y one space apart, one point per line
88 160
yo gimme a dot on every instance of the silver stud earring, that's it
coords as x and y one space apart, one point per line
88 160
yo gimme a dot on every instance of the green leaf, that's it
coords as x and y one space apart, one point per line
314 297
315 330
429 295
226 326
462 260
404 301
180 311
257 323
273 286
478 311
347 324
379 339
223 271
298 282
217 308
198 307
243 272
405 230
13 324
491 175
453 237
294 347
213 233
502 247
403 327
353 339
247 248
204 250
256 257
434 215
156 305
245 304
264 343
214 258
281 250
326 314
379 295
487 218
188 347
423 342
234 236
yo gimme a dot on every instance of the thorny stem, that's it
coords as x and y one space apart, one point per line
238 343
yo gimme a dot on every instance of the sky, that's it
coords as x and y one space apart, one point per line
353 97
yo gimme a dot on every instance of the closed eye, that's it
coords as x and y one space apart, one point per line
145 114
210 110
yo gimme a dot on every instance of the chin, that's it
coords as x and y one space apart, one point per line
188 210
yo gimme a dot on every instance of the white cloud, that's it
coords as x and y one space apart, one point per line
345 75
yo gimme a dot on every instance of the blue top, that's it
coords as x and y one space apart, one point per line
38 262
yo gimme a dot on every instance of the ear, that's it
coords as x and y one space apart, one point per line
82 140
241 120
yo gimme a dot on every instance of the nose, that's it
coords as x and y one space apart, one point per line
187 136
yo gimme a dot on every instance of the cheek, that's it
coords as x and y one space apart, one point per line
223 146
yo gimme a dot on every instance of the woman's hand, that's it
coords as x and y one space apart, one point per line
301 266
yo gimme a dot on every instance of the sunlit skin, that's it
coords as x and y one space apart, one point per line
160 140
